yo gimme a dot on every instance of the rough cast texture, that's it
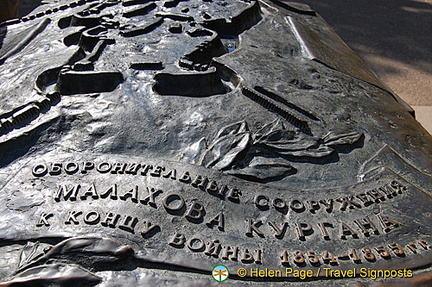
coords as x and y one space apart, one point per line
144 142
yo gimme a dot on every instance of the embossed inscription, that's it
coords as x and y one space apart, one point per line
197 181
216 249
173 203
380 224
357 201
159 200
194 211
111 220
363 255
134 193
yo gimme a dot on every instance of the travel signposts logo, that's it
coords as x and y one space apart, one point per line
220 273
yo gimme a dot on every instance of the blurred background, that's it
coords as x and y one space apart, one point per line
16 8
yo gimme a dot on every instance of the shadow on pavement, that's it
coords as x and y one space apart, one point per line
400 30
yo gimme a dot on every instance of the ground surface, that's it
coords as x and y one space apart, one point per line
394 38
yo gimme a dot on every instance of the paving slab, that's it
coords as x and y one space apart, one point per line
424 116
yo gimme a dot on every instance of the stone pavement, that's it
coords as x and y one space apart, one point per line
394 38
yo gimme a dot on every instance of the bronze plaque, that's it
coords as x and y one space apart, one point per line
147 142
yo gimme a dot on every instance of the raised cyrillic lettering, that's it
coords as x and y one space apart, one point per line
118 168
149 228
132 168
55 168
112 192
261 201
72 217
399 187
323 228
213 248
365 199
234 195
157 171
218 220
303 229
71 167
200 182
88 165
348 202
230 252
196 213
279 204
386 223
111 220
214 189
68 194
129 224
376 195
39 170
280 231
131 193
297 205
92 218
43 219
90 192
365 224
178 240
254 227
150 199
346 230
185 177
246 256
171 208
328 204
103 167
171 174
313 205
146 168
196 245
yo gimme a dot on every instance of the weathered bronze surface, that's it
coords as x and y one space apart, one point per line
144 142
